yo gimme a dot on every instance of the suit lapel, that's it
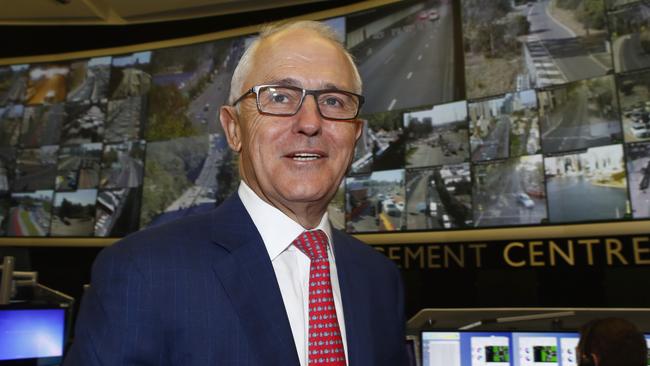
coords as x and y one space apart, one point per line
248 277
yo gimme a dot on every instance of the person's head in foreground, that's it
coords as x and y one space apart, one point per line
611 342
292 116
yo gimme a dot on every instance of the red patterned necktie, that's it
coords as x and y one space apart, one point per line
325 342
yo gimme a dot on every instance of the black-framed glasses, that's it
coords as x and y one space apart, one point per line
280 100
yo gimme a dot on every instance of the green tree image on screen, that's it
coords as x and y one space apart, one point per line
545 353
497 354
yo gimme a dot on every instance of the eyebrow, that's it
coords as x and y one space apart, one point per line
285 82
296 83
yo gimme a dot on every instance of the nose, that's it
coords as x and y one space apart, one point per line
308 119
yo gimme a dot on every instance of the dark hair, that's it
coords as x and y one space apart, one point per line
614 341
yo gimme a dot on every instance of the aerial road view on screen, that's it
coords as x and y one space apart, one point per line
510 192
397 48
437 136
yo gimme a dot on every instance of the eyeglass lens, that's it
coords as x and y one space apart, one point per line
287 101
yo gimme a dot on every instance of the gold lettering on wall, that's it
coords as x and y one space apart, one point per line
391 254
506 254
568 256
613 248
639 251
615 251
477 249
449 253
413 255
535 252
433 256
589 243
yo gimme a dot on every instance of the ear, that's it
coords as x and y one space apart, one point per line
230 123
596 359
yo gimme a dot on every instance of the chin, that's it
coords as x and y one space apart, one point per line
305 192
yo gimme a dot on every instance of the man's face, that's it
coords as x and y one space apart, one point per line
300 159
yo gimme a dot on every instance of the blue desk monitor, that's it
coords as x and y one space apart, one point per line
647 340
31 336
545 348
498 348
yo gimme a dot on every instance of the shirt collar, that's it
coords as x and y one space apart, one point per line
277 230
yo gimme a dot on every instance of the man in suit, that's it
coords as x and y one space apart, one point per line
263 279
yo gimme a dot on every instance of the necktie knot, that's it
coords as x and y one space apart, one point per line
313 243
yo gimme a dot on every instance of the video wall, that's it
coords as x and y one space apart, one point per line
479 113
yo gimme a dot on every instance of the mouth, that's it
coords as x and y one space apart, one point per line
305 156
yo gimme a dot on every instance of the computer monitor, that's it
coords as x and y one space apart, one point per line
465 348
32 336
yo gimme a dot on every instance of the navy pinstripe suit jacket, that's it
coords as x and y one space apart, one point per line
202 291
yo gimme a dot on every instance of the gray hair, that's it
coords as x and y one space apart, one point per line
246 62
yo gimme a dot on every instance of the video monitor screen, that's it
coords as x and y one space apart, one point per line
32 334
499 348
478 114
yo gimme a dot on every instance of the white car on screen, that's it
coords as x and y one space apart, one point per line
524 200
640 130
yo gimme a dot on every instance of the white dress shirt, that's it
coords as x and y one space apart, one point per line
291 266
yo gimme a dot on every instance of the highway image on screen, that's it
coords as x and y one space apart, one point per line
186 175
78 167
630 36
397 47
30 213
122 165
375 202
41 125
13 83
439 198
437 136
638 170
504 126
189 85
35 169
88 79
510 192
125 119
7 168
117 212
566 42
10 120
574 181
634 97
579 115
512 46
130 75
